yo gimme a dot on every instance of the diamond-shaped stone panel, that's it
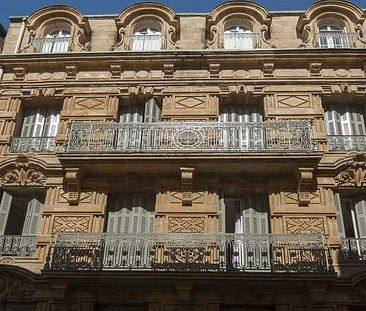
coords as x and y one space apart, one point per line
293 101
191 103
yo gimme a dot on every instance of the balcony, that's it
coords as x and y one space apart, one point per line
240 41
144 42
51 45
347 142
32 144
169 137
335 39
186 252
353 250
17 245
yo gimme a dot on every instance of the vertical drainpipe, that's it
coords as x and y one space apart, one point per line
21 35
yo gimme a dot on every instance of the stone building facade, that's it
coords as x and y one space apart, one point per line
161 161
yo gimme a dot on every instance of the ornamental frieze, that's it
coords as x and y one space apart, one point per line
353 173
23 173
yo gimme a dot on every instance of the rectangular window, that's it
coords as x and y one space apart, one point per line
345 126
131 213
20 217
38 131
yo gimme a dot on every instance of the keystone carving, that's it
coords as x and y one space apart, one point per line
315 69
23 173
268 70
72 180
19 73
116 71
353 174
305 183
71 72
168 70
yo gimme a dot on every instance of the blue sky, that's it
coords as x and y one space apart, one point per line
26 7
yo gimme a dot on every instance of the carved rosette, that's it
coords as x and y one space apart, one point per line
23 172
353 173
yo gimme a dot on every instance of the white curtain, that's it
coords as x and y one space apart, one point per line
238 38
56 42
147 39
332 36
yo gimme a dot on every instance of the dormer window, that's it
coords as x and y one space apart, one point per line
238 38
332 36
147 39
56 42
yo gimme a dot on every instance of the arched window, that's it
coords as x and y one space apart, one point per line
238 38
147 39
332 36
56 42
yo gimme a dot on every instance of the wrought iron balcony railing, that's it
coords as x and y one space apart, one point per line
353 250
33 144
283 136
51 45
240 41
144 42
335 39
17 245
188 252
347 142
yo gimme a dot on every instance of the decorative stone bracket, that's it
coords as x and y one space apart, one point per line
305 183
187 181
72 180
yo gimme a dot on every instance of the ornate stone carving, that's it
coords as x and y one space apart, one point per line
71 72
186 224
72 180
354 172
13 287
187 181
116 71
140 90
168 70
305 183
71 224
23 173
214 70
315 69
19 73
268 70
314 225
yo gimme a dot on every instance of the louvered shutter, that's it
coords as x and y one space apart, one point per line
32 217
255 214
360 209
131 214
5 205
129 137
340 223
152 111
51 123
28 123
39 121
221 212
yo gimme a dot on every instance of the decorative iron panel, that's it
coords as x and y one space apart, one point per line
33 144
188 252
353 249
17 245
347 142
282 136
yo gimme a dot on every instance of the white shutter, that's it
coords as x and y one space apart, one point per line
32 217
28 123
131 114
152 111
39 121
221 212
340 222
360 209
51 123
5 205
131 213
255 214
